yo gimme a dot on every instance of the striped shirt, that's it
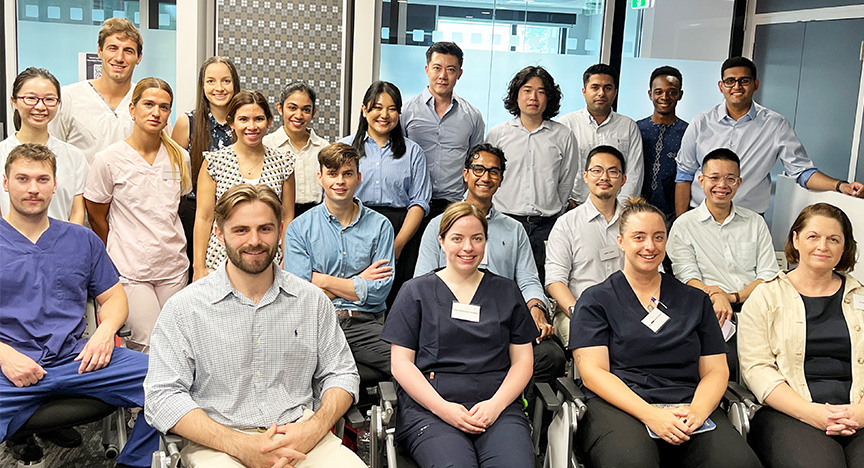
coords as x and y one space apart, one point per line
246 365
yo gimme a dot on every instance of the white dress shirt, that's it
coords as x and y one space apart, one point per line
582 249
731 254
306 164
618 131
541 165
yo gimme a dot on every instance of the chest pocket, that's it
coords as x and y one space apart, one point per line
744 254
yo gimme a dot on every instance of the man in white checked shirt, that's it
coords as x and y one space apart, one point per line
240 359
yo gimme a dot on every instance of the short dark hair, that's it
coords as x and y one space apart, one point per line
336 155
553 91
666 70
722 154
444 48
32 152
600 69
733 62
606 149
850 248
487 148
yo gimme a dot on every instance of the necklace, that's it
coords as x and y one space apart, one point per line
248 171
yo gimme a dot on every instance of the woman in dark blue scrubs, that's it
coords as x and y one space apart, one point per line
461 352
643 340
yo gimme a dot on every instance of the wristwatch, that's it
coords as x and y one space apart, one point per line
839 183
540 306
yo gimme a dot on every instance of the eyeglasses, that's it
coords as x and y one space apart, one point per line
478 170
743 81
32 101
612 172
730 180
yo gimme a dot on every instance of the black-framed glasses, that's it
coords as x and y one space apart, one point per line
743 81
715 179
478 170
32 101
612 172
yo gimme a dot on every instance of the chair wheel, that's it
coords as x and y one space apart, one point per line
111 451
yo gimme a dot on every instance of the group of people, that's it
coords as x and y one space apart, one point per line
257 269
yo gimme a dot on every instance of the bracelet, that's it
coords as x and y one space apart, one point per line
737 297
839 183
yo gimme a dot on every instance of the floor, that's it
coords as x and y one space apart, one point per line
89 454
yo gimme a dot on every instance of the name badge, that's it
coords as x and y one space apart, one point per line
655 318
609 253
168 172
467 312
858 301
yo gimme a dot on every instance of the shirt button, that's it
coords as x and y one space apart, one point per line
259 374
377 182
344 253
258 342
341 274
858 328
847 300
860 360
377 163
263 404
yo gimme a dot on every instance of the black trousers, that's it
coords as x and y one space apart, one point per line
612 438
783 441
186 211
363 334
404 268
538 229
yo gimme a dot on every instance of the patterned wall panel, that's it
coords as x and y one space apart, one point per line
276 42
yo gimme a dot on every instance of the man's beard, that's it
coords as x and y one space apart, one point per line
252 267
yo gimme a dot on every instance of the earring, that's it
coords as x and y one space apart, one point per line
133 119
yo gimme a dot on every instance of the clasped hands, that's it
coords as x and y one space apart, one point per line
674 424
279 447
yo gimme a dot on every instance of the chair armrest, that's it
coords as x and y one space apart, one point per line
124 332
569 388
354 418
740 392
387 392
547 396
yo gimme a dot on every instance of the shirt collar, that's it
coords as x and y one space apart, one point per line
427 96
722 114
703 214
590 118
369 140
222 286
214 123
331 218
593 213
518 124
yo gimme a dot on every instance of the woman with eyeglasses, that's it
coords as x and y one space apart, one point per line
653 361
36 100
396 180
461 350
801 347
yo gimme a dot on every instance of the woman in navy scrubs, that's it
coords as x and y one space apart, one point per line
640 339
461 352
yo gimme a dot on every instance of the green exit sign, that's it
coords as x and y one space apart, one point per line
640 4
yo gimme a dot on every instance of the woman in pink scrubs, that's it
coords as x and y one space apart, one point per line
132 194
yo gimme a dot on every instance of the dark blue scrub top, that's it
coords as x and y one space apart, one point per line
44 288
660 367
420 320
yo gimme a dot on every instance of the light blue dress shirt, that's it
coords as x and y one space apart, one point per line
759 138
445 140
508 253
397 183
316 241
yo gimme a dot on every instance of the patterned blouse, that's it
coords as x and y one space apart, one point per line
224 169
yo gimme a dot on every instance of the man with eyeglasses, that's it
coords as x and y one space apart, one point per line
722 248
95 113
597 124
508 253
758 135
661 138
583 248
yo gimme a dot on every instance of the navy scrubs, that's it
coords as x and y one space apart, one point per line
465 362
661 367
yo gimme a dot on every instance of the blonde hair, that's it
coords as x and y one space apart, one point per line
175 152
243 193
635 205
458 210
121 26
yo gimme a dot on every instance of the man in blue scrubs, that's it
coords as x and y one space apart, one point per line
49 269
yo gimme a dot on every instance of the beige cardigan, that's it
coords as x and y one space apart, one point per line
772 336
